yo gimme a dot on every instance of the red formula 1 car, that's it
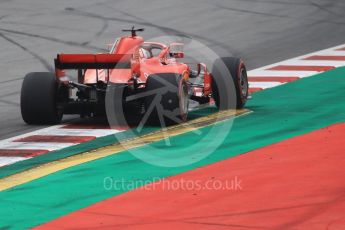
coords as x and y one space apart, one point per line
141 77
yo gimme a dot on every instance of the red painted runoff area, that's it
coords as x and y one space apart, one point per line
294 184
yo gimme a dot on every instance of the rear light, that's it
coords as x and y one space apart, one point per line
59 73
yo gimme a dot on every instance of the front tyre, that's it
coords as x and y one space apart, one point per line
220 87
38 99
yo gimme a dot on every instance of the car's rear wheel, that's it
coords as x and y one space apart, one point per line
221 88
167 99
38 100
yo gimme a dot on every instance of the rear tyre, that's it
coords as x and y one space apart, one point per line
221 86
38 99
168 99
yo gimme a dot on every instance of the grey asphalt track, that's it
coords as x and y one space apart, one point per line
262 32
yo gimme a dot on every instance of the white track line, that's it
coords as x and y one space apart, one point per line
264 85
10 160
276 73
329 50
314 63
50 146
81 132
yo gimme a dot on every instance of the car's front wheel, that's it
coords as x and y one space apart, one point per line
227 94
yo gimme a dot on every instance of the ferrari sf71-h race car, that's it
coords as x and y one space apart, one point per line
137 77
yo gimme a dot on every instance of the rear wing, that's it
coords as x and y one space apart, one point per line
93 61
